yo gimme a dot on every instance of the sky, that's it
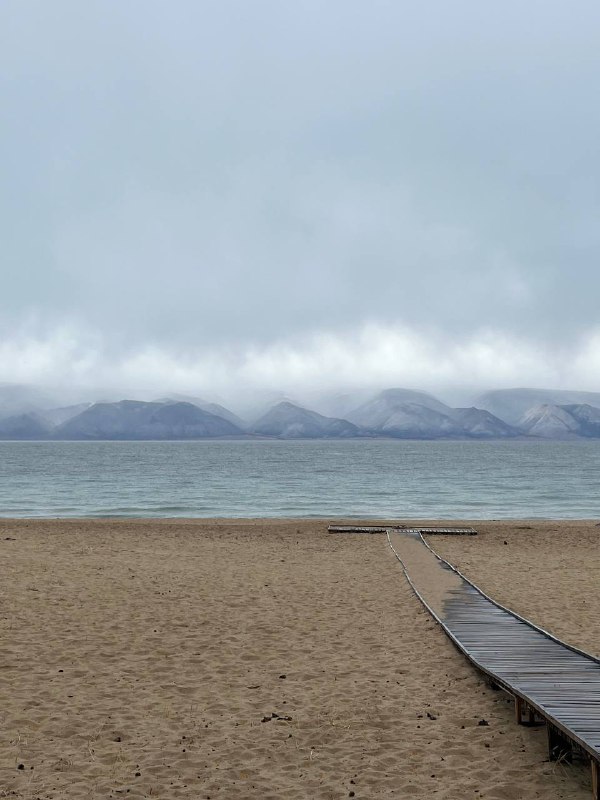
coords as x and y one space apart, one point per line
221 196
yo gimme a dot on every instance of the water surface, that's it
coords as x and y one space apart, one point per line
366 478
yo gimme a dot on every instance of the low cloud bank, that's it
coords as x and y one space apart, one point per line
78 364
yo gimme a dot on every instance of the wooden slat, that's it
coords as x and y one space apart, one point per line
456 531
356 529
381 529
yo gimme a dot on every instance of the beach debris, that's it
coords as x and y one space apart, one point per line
431 716
275 715
21 766
483 722
283 677
9 539
256 686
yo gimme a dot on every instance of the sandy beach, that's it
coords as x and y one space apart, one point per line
268 659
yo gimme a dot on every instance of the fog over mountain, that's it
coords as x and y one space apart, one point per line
233 198
512 404
394 413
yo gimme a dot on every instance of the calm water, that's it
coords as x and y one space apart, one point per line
276 478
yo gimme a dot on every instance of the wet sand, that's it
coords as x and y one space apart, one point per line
267 659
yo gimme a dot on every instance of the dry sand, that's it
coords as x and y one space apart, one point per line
254 659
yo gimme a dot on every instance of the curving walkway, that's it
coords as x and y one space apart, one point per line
549 679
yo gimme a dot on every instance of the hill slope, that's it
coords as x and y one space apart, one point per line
132 419
25 426
406 414
289 421
562 422
480 424
512 404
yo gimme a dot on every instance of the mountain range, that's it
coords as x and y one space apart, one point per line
396 413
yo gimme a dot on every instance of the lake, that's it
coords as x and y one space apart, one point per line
365 478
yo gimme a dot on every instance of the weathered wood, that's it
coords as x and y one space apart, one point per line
381 529
356 529
559 746
455 531
518 709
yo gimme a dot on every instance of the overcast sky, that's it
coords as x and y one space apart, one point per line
205 194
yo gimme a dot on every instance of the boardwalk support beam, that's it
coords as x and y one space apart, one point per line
525 714
559 747
595 780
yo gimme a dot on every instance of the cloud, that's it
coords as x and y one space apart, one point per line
200 190
370 357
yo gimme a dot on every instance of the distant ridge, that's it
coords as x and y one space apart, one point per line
395 413
24 426
562 422
481 424
403 413
377 412
212 408
133 419
512 404
288 421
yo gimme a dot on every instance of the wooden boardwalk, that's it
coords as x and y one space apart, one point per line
550 681
384 529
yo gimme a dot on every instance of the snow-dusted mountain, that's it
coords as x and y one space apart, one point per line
133 419
512 405
377 412
27 413
205 405
289 421
405 413
562 422
480 424
588 418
